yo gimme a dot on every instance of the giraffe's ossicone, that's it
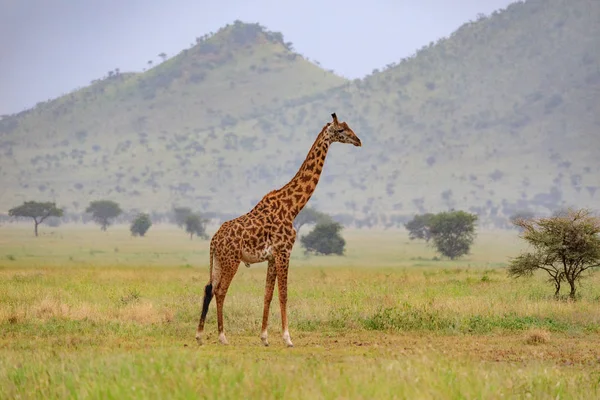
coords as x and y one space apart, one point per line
266 233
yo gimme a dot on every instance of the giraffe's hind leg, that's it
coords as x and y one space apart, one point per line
229 268
269 288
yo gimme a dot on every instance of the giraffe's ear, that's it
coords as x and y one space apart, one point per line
335 120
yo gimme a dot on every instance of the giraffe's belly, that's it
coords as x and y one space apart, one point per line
253 256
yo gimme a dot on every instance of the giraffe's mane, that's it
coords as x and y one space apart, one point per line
274 192
312 148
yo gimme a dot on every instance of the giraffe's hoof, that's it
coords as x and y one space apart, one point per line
223 339
287 340
199 339
264 338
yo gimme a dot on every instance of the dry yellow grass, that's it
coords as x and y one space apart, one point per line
537 336
80 319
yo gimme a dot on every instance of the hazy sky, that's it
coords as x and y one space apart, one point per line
50 47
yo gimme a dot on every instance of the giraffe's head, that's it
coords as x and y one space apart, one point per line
341 132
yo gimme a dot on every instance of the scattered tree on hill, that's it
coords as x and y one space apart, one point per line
39 211
103 211
564 245
140 225
309 215
163 56
418 227
196 225
325 238
453 232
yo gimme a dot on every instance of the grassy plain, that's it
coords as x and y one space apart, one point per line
91 314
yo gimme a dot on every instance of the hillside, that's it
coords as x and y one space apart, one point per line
503 115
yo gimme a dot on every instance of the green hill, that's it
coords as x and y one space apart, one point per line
503 115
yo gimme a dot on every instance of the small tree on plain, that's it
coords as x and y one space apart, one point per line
564 245
309 215
38 211
103 211
140 225
453 232
325 239
196 225
419 227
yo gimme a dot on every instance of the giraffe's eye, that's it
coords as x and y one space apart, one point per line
339 130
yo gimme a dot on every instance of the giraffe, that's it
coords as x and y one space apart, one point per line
266 233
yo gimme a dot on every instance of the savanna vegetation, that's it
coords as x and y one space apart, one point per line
452 232
140 225
103 212
495 120
38 211
325 238
566 246
88 313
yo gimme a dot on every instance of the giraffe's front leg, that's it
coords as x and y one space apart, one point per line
282 264
269 288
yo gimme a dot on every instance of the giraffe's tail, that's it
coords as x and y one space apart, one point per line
208 289
208 295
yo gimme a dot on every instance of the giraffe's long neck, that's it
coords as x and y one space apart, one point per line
296 193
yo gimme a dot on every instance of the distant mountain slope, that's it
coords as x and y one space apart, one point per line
240 72
503 115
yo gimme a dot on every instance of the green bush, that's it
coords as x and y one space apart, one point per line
140 225
325 238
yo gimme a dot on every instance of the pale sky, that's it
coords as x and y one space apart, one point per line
50 47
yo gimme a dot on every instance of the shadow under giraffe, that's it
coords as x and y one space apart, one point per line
266 233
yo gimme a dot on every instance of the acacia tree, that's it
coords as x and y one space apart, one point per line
419 227
140 225
453 232
519 215
39 211
103 211
325 238
564 245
